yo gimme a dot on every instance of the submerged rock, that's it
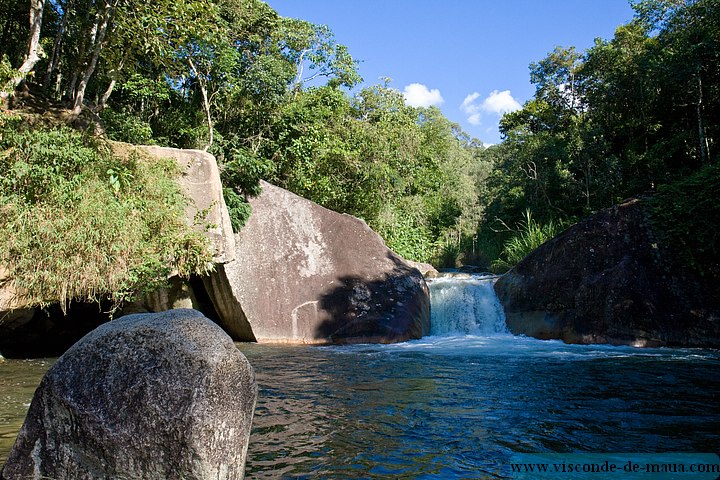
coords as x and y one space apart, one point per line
427 270
609 279
305 274
151 396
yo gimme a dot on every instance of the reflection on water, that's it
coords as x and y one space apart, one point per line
457 407
453 406
18 381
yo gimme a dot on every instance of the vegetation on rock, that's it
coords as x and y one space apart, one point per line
83 220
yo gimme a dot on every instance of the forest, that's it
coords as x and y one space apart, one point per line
279 99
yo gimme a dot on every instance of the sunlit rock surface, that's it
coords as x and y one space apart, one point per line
305 274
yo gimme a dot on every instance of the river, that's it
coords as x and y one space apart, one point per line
456 404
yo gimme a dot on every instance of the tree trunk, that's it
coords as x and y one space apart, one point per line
701 130
32 57
103 101
101 28
206 103
55 56
80 58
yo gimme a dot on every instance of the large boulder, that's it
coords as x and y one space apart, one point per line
200 182
151 396
610 279
305 274
14 312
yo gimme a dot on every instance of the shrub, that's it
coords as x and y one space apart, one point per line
79 222
126 127
686 214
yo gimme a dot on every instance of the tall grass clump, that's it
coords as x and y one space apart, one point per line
528 236
80 222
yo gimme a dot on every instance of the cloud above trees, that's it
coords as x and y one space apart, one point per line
497 103
418 95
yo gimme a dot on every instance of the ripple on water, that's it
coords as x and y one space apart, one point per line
451 406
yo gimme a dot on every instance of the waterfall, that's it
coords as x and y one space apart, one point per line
465 304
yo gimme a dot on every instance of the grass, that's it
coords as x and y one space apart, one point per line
80 221
529 235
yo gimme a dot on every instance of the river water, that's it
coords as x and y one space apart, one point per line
456 404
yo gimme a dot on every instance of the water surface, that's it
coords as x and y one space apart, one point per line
456 404
458 407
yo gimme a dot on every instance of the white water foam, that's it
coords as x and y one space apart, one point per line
465 305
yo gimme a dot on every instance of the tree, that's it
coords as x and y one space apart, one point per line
32 56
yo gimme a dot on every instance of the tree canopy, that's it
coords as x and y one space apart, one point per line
276 98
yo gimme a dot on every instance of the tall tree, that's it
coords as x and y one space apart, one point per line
37 8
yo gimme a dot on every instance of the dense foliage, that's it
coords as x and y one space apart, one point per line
270 97
687 214
81 222
626 117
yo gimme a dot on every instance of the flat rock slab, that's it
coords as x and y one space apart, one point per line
147 396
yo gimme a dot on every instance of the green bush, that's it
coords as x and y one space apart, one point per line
7 74
126 127
79 222
404 235
238 208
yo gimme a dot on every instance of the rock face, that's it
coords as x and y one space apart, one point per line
200 181
609 280
13 313
305 274
152 396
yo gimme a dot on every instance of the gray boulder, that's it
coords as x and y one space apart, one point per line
610 279
305 274
147 396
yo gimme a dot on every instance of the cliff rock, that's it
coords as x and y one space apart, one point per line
609 279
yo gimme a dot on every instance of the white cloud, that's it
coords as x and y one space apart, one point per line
500 102
467 104
496 103
474 119
418 95
471 109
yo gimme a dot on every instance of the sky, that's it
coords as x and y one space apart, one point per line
468 57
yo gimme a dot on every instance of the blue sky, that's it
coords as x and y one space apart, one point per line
469 57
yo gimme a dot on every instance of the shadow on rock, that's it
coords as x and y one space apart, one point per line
392 308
